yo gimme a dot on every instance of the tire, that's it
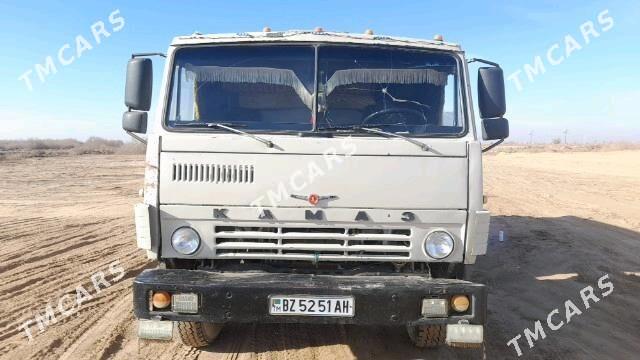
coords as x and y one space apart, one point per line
197 334
428 336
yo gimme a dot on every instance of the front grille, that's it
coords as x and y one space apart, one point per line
213 173
316 244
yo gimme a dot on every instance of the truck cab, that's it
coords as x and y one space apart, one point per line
312 177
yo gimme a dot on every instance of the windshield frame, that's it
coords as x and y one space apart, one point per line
461 76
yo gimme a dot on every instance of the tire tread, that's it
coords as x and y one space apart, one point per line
193 334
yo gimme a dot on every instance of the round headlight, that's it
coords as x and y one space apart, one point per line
185 240
439 244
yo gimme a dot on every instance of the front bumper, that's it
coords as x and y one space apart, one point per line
242 297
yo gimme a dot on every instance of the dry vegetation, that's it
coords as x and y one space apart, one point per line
19 149
556 147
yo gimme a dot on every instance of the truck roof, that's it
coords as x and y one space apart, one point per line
306 36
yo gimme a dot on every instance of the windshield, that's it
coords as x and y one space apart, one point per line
397 90
267 88
271 88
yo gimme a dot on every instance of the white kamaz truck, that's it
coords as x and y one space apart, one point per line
312 177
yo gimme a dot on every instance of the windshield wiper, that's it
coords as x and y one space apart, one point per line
229 128
417 143
201 124
234 130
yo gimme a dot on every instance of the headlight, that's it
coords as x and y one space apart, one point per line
185 240
439 244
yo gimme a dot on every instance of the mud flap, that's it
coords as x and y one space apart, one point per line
477 235
143 226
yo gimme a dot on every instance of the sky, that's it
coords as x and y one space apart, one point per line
569 65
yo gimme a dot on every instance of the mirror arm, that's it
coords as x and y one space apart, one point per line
136 137
493 145
483 61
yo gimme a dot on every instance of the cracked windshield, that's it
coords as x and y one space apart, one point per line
401 91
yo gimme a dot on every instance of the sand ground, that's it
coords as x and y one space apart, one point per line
568 219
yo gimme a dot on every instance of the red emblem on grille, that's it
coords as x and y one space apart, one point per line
313 199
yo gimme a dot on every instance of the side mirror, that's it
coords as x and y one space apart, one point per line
137 91
495 129
135 121
491 99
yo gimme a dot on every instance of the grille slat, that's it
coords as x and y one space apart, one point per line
320 248
310 256
308 236
213 173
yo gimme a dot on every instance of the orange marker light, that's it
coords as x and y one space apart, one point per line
460 303
161 299
313 199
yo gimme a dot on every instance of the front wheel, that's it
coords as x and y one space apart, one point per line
197 334
428 335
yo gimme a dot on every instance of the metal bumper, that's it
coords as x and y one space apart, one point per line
242 297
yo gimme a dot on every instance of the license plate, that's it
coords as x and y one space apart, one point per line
312 305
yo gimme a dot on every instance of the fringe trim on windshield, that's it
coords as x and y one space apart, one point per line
386 76
250 75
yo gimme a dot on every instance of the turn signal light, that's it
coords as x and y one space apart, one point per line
161 300
460 303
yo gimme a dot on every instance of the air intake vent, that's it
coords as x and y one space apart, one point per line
213 173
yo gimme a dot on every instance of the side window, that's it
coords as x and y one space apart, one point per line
450 115
182 96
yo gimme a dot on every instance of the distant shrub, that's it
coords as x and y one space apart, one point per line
556 141
131 148
556 147
39 144
98 141
17 149
96 145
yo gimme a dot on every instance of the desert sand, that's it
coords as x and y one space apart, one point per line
568 218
